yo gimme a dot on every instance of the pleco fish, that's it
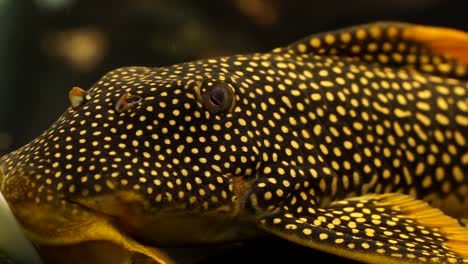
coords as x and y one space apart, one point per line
352 142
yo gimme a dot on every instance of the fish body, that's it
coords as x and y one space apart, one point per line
352 142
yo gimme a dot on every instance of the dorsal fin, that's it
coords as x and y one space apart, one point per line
436 50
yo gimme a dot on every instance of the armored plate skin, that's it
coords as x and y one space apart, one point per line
352 142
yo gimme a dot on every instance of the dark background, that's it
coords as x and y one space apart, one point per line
49 46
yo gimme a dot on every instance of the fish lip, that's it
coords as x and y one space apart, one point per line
13 241
2 172
5 174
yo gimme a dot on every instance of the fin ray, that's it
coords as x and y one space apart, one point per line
373 228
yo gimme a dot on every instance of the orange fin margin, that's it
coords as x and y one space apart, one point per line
374 228
455 233
447 41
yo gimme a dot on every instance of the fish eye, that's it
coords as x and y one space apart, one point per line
216 96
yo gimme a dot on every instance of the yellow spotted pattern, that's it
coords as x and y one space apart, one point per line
373 226
333 116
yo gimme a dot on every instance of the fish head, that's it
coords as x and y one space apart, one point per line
184 138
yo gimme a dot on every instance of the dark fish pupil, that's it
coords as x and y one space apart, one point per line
217 96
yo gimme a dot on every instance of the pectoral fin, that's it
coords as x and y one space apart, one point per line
388 228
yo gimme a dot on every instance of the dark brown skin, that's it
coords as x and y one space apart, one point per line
351 142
